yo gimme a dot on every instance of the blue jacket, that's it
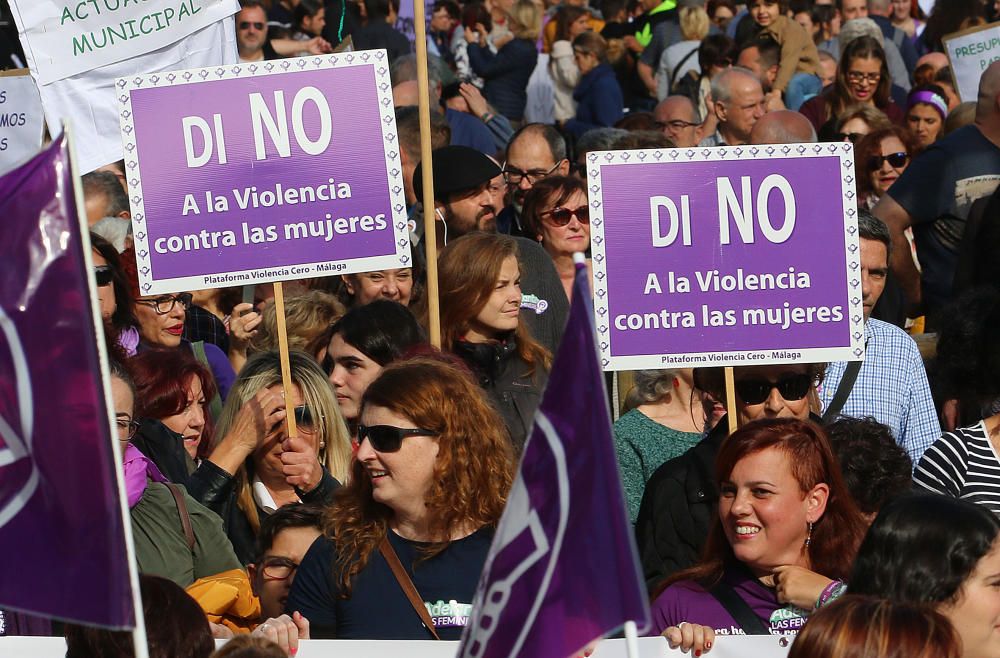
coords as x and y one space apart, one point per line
599 102
506 74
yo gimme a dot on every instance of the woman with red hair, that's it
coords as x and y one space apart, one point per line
784 515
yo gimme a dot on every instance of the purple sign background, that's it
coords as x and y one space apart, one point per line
362 154
822 246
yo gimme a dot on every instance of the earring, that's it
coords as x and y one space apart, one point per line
809 534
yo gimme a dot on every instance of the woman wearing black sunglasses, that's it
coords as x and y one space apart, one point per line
557 215
880 159
428 487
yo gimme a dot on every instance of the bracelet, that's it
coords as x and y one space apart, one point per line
486 117
831 592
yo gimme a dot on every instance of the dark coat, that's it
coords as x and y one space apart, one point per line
505 377
599 102
506 74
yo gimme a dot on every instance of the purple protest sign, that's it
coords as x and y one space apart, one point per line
61 531
264 172
726 256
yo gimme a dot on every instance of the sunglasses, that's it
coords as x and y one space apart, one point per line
895 160
304 417
386 438
562 216
849 137
102 274
756 391
245 25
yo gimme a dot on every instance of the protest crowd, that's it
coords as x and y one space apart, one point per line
855 507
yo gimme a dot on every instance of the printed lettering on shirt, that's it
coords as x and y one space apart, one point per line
449 614
788 620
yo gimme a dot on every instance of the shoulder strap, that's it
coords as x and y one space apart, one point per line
739 610
407 585
843 391
673 74
182 511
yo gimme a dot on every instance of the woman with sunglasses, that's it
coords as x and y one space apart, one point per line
677 506
782 506
427 488
256 467
114 299
557 214
857 121
881 157
926 111
480 289
862 77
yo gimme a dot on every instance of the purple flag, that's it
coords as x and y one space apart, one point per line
61 533
562 570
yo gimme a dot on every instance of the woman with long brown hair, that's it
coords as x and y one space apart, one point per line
427 489
783 507
480 291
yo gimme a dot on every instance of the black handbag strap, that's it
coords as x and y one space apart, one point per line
673 74
739 610
843 391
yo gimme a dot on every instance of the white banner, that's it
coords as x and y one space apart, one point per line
63 38
970 52
649 647
21 119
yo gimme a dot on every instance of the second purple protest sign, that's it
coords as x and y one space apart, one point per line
264 172
725 256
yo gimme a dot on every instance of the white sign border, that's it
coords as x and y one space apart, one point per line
596 160
377 59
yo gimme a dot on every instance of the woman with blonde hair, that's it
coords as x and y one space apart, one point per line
480 290
257 467
427 489
681 57
507 71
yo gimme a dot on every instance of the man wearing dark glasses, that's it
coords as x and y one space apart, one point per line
890 385
251 33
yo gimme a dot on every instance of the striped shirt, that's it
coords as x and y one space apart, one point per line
963 464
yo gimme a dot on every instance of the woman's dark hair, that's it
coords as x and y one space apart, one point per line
476 12
875 468
864 47
949 16
382 330
967 364
545 195
714 6
176 627
634 121
871 144
716 50
122 318
305 9
922 548
295 515
822 15
565 16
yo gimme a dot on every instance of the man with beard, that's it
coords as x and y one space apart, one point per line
464 202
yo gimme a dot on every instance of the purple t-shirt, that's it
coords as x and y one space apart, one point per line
688 601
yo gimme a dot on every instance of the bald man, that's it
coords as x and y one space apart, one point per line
739 103
679 120
934 196
782 127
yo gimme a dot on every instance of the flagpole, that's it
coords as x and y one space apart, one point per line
631 640
139 631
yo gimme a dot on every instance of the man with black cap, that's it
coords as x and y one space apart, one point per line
463 203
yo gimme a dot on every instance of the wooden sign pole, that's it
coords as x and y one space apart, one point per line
286 368
730 399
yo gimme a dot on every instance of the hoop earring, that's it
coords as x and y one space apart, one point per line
809 534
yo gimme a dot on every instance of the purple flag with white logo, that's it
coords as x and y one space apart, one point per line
61 532
562 570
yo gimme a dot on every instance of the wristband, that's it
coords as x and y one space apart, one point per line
831 592
486 117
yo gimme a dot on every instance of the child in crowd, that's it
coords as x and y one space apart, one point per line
797 73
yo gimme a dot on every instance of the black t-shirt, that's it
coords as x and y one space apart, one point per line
377 608
937 190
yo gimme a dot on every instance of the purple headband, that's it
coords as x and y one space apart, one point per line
930 98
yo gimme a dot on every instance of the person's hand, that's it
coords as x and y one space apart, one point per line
799 586
632 43
243 324
471 35
285 631
474 98
690 637
588 650
318 46
220 632
950 414
300 464
774 101
256 419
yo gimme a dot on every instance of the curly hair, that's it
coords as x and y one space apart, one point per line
306 316
875 468
473 471
468 270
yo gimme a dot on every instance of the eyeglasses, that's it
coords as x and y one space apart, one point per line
305 418
278 568
676 124
126 427
857 77
386 438
165 304
895 160
756 391
102 275
561 216
849 137
513 175
245 25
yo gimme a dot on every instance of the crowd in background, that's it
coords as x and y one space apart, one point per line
806 520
